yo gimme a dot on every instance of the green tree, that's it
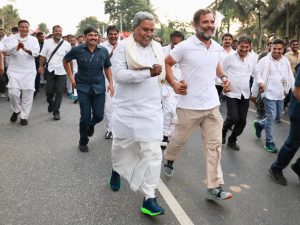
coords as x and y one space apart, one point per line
121 12
90 21
283 17
9 17
43 28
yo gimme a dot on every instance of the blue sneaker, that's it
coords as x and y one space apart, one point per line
115 181
151 208
257 129
70 95
271 147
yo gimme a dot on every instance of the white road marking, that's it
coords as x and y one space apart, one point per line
283 121
178 211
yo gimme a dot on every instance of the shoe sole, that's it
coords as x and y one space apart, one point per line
270 151
148 212
212 197
273 178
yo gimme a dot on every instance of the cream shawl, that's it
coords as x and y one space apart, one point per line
133 61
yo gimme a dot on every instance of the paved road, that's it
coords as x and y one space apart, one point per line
45 180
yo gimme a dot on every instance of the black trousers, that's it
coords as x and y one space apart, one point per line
3 82
237 110
91 112
56 85
290 147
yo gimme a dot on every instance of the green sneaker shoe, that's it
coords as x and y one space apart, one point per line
270 147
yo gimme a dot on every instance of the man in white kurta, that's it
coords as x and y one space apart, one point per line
169 97
137 118
110 44
22 48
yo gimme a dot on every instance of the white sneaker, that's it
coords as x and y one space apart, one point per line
2 96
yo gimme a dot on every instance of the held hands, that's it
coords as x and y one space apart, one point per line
111 89
156 70
180 87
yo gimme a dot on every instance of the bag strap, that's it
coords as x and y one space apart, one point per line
55 50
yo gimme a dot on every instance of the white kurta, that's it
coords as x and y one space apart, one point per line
108 108
170 99
137 122
137 113
21 69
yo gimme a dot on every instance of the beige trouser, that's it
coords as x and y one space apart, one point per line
210 122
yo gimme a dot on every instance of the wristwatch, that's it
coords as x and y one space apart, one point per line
224 78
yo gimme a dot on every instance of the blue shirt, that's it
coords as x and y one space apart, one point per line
294 108
90 67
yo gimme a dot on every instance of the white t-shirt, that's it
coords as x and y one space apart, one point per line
198 66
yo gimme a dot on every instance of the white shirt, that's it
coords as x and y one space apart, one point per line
253 56
276 71
239 73
198 66
56 62
109 48
224 54
137 113
21 68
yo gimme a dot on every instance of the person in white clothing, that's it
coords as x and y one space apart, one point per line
198 103
55 72
137 118
73 41
21 71
227 40
169 97
277 75
239 67
110 44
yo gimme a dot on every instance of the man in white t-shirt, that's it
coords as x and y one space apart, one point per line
198 105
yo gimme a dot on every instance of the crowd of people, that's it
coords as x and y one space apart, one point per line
152 98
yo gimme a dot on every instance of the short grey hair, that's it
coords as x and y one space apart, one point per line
140 17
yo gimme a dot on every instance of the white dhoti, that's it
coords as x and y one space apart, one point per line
69 84
108 111
139 163
169 103
21 104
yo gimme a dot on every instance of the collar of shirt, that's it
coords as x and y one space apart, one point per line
85 46
213 44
